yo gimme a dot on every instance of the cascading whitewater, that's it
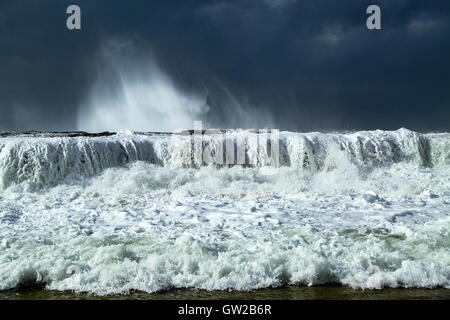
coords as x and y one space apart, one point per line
45 161
134 211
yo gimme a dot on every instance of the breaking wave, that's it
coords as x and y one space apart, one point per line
43 161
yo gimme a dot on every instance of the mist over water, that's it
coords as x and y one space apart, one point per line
132 92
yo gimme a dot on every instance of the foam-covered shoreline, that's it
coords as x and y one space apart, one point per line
129 211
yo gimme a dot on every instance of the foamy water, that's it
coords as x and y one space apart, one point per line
132 212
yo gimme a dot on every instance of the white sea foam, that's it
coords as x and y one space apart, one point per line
131 211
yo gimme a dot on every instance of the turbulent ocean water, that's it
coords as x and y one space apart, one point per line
111 214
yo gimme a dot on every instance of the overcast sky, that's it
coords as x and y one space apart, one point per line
297 65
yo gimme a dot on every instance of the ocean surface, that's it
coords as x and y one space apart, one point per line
119 213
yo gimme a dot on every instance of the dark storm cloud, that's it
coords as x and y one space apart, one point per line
296 65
